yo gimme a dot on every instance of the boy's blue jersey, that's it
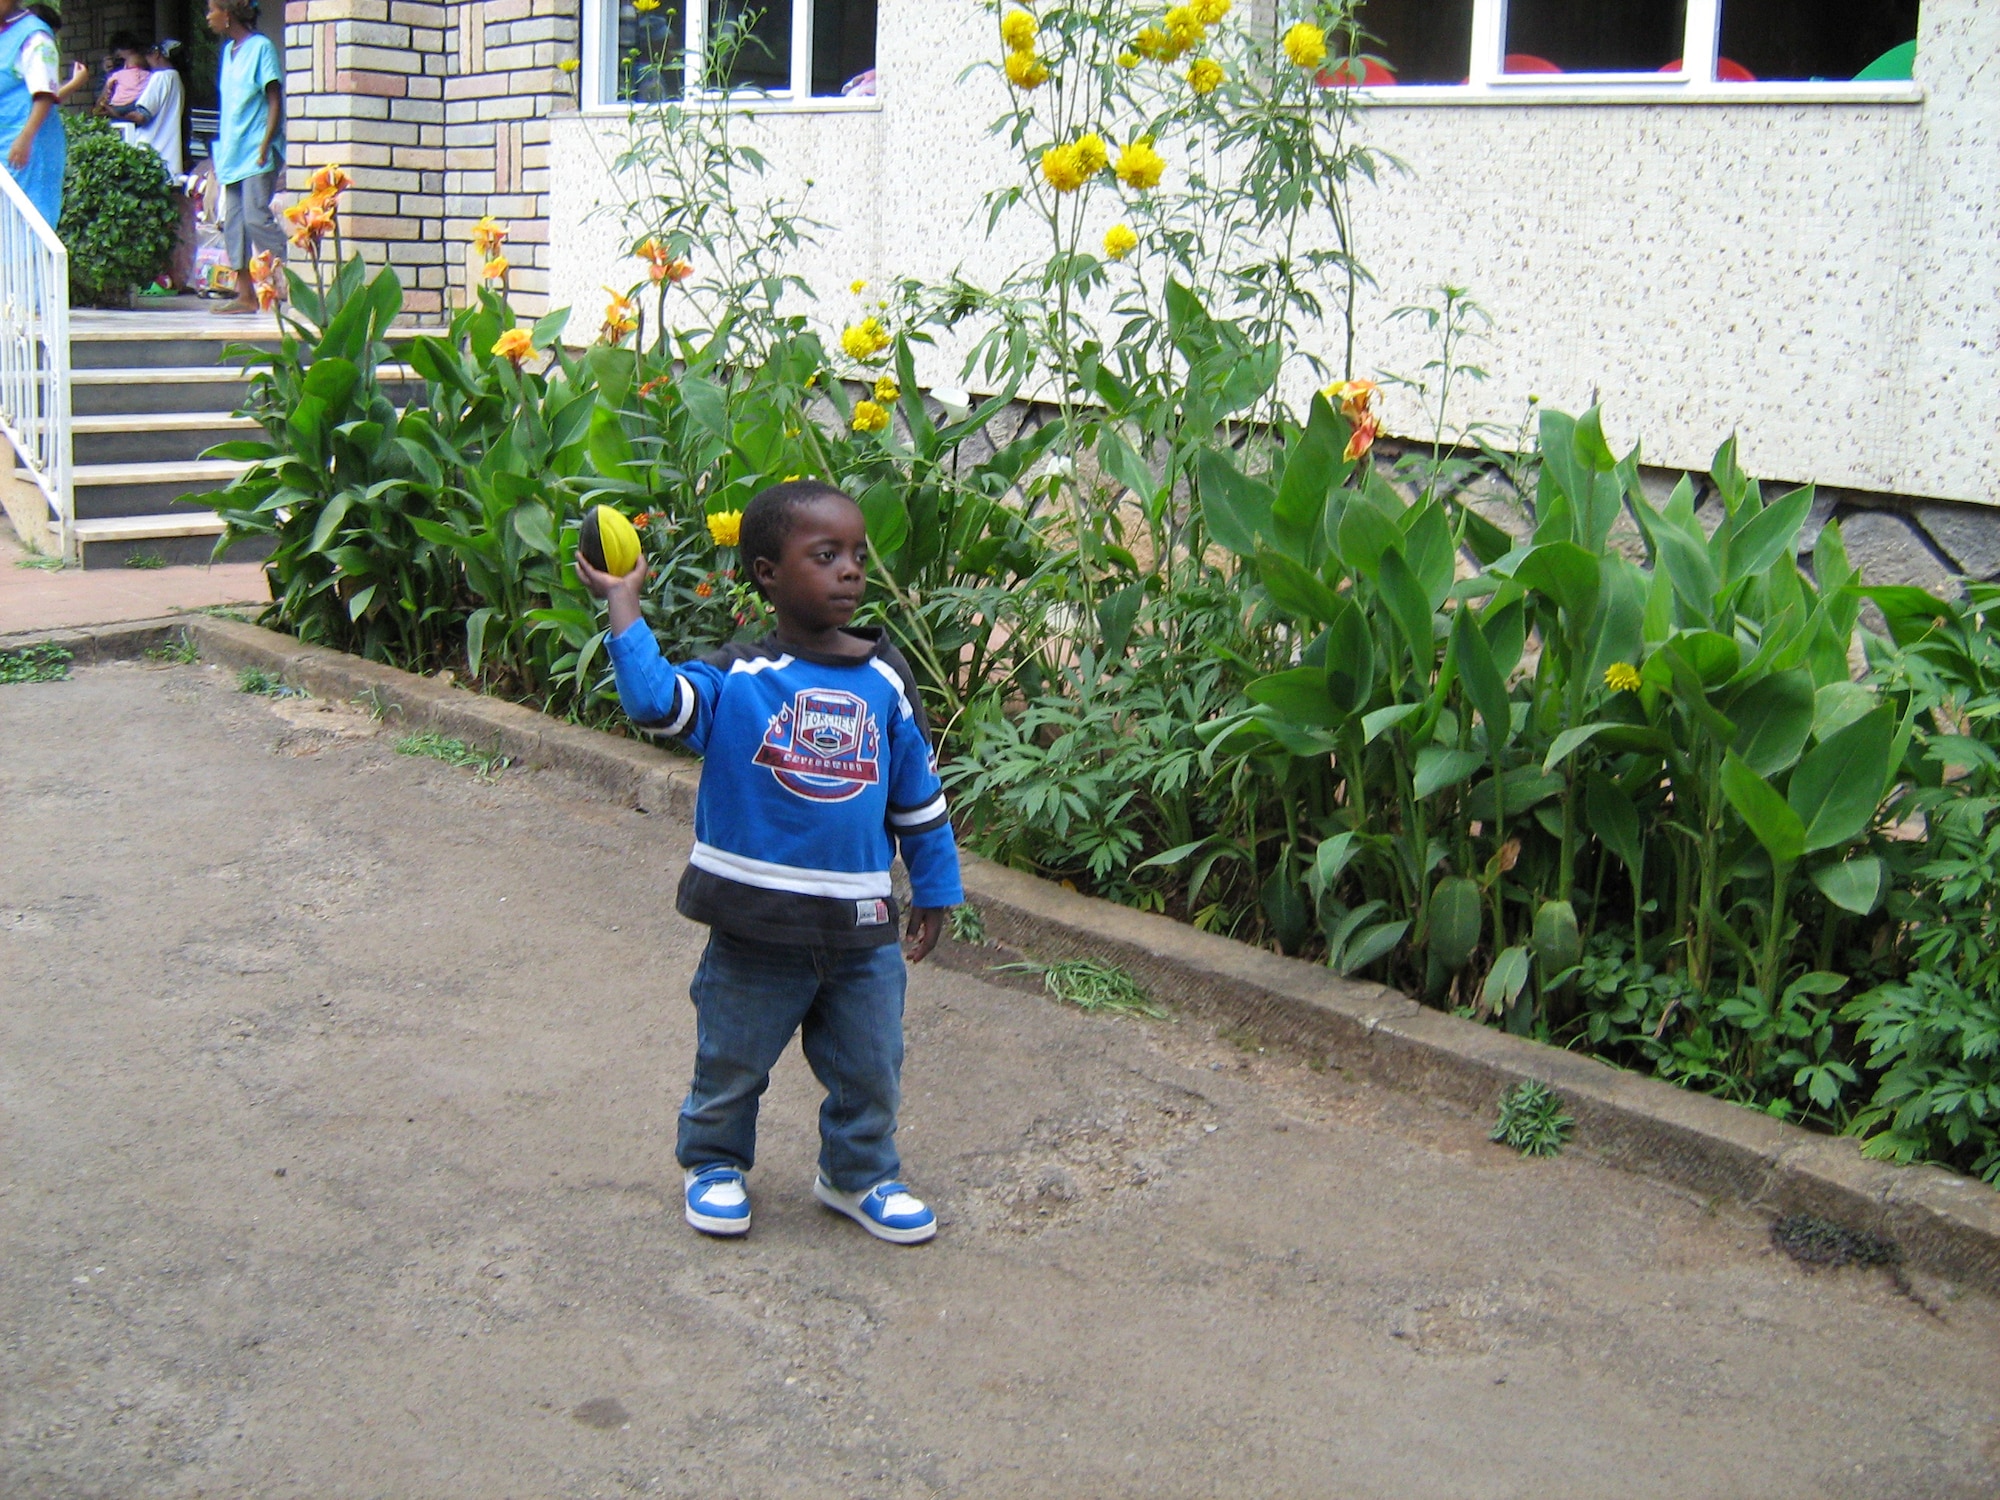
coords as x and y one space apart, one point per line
816 769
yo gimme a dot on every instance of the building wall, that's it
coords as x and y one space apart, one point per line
1823 278
440 111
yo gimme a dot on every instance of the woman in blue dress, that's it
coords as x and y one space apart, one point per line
31 134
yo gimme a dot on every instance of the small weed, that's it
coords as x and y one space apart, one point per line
968 925
220 612
1090 985
1813 1241
47 562
34 664
266 684
379 708
1532 1121
483 763
1242 1038
146 560
178 653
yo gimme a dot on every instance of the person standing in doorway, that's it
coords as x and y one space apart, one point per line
33 146
250 152
155 119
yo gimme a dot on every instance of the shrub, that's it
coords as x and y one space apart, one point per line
119 218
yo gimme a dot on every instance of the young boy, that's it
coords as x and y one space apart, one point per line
125 73
817 766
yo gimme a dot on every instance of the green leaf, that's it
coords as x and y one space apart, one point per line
1484 686
1115 619
1366 945
1837 705
1773 716
330 518
1565 573
1411 611
1331 858
887 519
1777 826
1366 537
1856 885
1838 786
332 380
1236 507
1505 980
1557 941
1769 535
1375 725
1525 787
1615 820
1313 466
1713 656
1440 766
1427 547
610 449
1456 922
1568 741
1295 590
535 527
475 636
1350 658
1300 695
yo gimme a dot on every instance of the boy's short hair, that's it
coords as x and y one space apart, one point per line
769 517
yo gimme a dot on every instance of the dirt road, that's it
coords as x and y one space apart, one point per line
337 1093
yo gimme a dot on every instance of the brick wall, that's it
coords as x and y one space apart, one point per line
440 112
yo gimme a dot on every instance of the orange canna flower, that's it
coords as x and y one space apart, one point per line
310 220
330 182
494 269
515 345
488 234
621 318
1366 430
264 275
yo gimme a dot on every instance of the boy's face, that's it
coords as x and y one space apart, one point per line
817 583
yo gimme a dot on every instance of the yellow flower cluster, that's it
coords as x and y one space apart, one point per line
865 340
1182 29
514 345
621 319
1025 70
1305 45
1140 166
725 528
870 417
1622 677
1205 77
886 390
1120 241
1069 167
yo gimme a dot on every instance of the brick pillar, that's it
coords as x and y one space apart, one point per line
502 86
365 82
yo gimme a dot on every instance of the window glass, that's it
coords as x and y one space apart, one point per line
1594 36
1816 39
758 36
1421 41
843 48
649 51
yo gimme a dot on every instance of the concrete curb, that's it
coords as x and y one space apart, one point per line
1946 1224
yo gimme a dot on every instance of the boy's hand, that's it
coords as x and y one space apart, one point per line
621 595
926 927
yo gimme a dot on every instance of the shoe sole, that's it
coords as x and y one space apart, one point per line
708 1224
881 1231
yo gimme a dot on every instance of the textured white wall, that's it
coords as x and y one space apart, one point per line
1823 278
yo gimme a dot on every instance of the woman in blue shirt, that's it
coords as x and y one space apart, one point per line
249 153
32 143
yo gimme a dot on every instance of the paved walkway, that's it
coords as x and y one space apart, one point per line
336 1105
43 599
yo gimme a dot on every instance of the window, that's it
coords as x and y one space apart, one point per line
774 49
1674 45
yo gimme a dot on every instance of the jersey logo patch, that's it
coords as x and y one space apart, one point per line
824 747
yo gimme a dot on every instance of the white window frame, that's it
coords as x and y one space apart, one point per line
600 70
1696 83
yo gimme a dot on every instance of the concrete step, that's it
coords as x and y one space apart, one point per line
192 388
155 437
128 492
178 341
158 541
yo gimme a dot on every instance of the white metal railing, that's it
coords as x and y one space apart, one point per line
34 353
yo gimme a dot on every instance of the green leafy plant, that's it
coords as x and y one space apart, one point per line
47 562
454 752
1531 1120
1091 985
145 561
181 651
43 663
266 684
119 218
967 924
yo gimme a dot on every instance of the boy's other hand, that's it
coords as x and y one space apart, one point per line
620 594
926 927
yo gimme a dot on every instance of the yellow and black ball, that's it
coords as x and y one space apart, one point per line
608 542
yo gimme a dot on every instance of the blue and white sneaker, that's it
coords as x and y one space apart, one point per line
888 1210
717 1200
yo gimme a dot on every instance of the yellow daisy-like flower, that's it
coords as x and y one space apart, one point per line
514 344
857 286
1026 71
1091 153
865 339
1305 45
1184 28
1017 30
870 417
1211 12
1128 59
569 65
1205 77
1140 166
1156 44
725 528
642 6
1120 241
886 390
1064 168
1622 677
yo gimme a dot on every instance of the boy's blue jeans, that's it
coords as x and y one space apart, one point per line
847 1005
